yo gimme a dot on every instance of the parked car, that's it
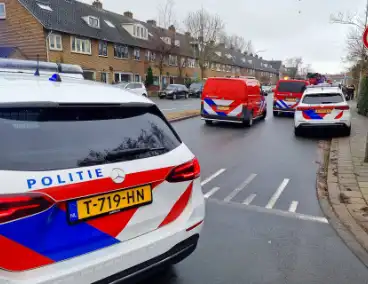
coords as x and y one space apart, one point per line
134 87
195 89
174 91
267 89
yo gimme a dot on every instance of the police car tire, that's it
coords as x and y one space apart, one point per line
275 113
208 122
297 132
264 114
347 131
249 122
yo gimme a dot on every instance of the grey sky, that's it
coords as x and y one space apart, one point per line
274 26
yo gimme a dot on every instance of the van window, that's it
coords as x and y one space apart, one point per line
51 138
291 87
331 98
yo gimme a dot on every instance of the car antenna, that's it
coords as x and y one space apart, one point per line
37 73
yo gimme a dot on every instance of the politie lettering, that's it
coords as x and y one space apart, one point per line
65 178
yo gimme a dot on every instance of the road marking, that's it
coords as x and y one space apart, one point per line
271 203
240 188
271 211
249 199
293 206
168 108
216 174
211 192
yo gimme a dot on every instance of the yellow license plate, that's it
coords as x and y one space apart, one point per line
222 108
323 111
290 99
112 202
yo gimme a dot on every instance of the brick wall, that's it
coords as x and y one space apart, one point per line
20 29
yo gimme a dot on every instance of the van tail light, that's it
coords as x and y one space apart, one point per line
342 107
16 206
187 171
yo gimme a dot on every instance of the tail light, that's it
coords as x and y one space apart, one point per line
16 206
342 107
185 172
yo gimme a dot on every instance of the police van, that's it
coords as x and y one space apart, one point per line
97 187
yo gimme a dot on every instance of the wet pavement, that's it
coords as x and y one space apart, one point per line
170 106
263 222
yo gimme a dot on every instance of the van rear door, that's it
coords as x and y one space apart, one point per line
289 93
224 97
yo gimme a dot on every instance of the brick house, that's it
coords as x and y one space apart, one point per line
111 47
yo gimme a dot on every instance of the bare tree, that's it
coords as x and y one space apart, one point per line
248 47
293 66
236 42
205 29
165 45
182 62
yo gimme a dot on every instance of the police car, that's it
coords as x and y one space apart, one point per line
323 106
95 188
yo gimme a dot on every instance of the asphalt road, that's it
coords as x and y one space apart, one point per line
170 106
263 222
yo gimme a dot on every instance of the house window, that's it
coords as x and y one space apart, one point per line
173 60
81 45
191 62
182 62
137 78
94 22
121 51
55 42
137 54
177 42
150 55
104 77
122 77
44 7
102 48
2 11
89 75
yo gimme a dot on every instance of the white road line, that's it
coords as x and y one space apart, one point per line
216 174
168 108
293 206
211 192
240 188
249 199
271 203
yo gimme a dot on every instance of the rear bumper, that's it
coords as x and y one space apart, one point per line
126 260
339 125
219 118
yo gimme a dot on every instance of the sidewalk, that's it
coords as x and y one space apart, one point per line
347 179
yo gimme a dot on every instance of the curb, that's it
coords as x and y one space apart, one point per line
330 211
183 118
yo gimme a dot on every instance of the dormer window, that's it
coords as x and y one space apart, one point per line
137 30
218 53
228 56
177 43
166 40
94 22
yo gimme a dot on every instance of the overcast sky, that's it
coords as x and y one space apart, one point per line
283 28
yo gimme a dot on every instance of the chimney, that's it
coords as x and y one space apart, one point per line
260 58
256 56
128 14
152 23
97 4
172 29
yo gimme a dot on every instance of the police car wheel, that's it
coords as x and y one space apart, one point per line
347 131
249 122
275 113
297 131
208 122
264 114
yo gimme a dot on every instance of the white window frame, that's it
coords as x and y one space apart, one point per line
93 18
107 77
52 39
173 60
91 71
136 52
107 48
3 16
80 40
120 45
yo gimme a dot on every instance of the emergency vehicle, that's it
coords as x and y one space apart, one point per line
96 187
322 106
287 95
235 100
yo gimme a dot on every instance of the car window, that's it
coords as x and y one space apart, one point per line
328 98
171 87
292 87
40 139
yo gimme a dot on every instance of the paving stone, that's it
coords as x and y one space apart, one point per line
363 184
347 181
353 194
362 179
349 187
346 176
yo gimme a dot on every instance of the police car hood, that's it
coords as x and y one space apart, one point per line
40 89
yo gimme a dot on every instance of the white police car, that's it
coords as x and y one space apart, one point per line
95 188
322 106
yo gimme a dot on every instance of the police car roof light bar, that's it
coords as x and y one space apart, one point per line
19 65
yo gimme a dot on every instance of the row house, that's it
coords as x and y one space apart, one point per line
113 47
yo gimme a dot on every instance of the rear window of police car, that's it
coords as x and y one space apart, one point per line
325 98
50 138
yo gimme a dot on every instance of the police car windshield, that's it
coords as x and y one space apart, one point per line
331 98
40 139
291 87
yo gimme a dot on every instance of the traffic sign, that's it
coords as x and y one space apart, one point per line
365 37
